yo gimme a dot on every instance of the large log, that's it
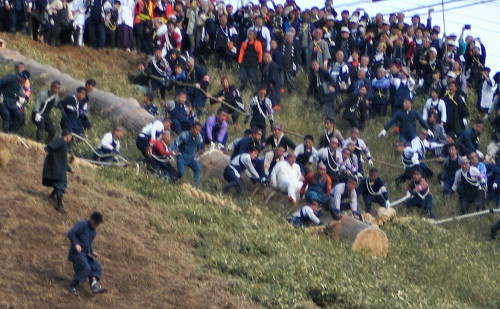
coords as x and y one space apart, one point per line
214 162
364 237
125 111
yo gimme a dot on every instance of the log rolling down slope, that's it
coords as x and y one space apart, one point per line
364 237
126 111
131 115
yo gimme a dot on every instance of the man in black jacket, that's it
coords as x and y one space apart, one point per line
356 108
322 88
11 109
271 79
56 166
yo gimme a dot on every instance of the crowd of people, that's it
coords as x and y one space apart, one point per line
359 67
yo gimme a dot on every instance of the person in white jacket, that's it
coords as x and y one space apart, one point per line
486 92
286 177
78 8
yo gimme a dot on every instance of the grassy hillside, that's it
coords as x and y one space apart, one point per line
142 267
267 261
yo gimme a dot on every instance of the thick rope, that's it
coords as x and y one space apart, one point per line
96 153
208 95
103 163
471 215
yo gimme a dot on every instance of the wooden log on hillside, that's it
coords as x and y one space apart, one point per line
125 111
364 237
214 162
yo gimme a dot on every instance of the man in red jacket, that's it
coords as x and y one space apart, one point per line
160 159
250 57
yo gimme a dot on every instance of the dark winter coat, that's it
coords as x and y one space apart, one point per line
56 163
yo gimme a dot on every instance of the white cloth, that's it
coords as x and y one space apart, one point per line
360 145
78 8
152 129
487 93
474 177
300 149
440 105
246 160
419 146
265 34
286 178
337 192
107 142
126 13
307 212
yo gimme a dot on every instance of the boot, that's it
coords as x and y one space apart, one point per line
52 196
96 287
72 287
60 205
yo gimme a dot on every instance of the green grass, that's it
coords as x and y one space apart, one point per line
451 266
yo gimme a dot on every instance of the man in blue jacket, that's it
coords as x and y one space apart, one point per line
186 144
468 142
11 111
406 120
83 256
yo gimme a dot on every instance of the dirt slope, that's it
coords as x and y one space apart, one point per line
141 269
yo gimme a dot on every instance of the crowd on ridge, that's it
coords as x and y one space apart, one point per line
359 68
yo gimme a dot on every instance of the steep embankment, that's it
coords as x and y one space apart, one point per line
141 268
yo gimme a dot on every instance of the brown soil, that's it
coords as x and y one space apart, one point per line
142 269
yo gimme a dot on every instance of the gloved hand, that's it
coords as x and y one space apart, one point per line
480 154
356 215
320 223
495 186
271 122
465 122
263 180
247 119
413 192
430 133
212 146
38 117
220 146
382 133
370 162
387 204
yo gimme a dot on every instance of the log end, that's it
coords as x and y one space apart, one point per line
3 44
385 215
371 241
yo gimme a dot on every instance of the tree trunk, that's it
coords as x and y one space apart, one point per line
364 237
125 111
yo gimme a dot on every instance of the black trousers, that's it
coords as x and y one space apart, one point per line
96 33
4 20
494 229
46 125
17 21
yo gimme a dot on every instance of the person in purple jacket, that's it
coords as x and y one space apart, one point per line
214 131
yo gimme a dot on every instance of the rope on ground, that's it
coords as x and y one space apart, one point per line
471 215
208 95
437 159
269 197
104 163
99 154
387 164
161 159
